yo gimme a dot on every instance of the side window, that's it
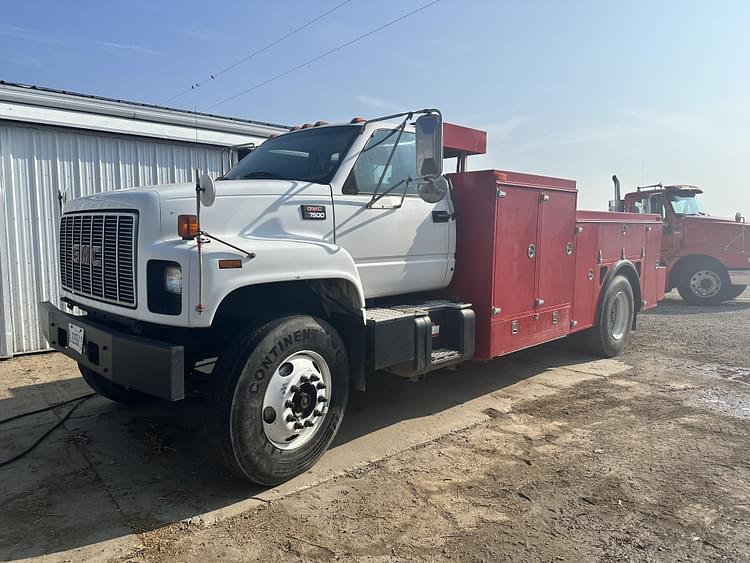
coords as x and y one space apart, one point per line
656 205
370 165
639 207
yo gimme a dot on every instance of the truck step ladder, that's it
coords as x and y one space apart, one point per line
411 339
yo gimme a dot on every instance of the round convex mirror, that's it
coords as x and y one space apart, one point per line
208 190
433 191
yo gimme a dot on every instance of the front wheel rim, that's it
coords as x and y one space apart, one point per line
705 284
619 315
296 401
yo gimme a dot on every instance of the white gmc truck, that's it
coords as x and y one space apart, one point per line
325 255
268 271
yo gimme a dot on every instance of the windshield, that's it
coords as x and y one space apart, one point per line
310 155
685 204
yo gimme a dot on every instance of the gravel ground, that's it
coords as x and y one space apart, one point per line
649 464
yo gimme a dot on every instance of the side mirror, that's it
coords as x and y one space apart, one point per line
429 145
739 218
207 190
433 190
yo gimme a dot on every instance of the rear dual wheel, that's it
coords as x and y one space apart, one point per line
280 391
609 338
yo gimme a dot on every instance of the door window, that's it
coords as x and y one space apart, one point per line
371 164
656 205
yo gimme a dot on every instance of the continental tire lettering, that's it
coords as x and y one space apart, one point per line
280 347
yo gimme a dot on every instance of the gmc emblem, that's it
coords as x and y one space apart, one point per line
87 255
313 212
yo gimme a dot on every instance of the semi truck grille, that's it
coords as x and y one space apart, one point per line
97 256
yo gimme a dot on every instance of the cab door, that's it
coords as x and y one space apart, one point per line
400 243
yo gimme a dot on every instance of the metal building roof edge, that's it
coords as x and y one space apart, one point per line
89 103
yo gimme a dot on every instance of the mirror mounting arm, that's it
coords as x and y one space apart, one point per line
374 197
379 196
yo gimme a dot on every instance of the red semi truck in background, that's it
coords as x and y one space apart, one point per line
337 251
707 258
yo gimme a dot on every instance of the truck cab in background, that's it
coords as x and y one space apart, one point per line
707 258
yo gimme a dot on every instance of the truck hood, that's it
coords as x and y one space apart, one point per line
260 208
716 232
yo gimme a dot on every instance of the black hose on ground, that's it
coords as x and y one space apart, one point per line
82 399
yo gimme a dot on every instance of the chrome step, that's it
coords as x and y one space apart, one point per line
444 356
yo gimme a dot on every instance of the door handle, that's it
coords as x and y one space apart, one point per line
441 216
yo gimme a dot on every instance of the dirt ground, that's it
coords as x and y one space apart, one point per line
648 462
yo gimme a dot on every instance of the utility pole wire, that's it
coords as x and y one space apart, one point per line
215 75
321 56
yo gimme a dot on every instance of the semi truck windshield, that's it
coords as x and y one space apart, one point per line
685 205
310 155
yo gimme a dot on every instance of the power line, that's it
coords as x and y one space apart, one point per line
323 55
215 75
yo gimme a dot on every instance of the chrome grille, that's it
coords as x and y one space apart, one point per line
97 256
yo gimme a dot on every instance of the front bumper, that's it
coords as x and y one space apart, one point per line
142 364
739 277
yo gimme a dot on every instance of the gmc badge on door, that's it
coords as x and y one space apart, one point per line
313 212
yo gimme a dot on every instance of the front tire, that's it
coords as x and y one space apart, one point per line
609 338
704 282
110 390
278 399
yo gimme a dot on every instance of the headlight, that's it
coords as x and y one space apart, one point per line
164 279
173 280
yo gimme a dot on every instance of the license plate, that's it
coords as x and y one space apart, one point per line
75 338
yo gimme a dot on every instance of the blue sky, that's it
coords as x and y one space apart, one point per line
580 89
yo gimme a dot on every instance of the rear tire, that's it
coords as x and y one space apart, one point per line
609 338
703 282
735 291
265 415
112 391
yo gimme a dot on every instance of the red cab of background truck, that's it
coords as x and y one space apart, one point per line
707 258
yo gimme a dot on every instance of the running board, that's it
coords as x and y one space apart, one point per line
412 339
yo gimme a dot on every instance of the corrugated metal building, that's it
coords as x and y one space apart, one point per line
54 142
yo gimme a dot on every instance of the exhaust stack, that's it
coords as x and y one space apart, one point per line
616 204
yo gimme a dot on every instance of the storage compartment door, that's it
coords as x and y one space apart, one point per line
556 249
514 276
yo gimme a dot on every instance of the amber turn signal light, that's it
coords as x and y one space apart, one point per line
229 264
187 226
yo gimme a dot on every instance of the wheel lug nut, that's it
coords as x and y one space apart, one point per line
318 413
321 385
298 426
304 379
322 399
293 389
314 378
291 418
289 404
309 423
